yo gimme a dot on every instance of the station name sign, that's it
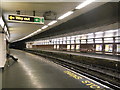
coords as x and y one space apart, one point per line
26 19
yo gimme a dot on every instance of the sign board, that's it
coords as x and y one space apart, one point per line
26 19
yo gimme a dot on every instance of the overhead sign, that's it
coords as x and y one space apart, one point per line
26 19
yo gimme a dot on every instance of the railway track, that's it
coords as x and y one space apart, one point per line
87 70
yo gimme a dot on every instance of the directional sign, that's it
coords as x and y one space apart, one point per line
26 19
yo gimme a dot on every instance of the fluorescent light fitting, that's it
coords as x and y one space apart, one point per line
85 3
51 23
65 15
28 35
44 27
38 30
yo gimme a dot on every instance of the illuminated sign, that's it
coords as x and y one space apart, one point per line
26 19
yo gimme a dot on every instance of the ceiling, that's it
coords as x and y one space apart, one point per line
20 30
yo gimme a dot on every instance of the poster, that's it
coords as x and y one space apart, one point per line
57 46
77 47
118 47
68 47
98 47
109 48
72 47
54 46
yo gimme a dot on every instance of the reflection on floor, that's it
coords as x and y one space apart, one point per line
33 71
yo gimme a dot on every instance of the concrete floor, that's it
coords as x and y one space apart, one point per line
32 71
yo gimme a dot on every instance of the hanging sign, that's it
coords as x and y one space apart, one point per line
26 19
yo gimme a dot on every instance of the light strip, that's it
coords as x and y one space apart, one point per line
51 23
39 30
28 35
85 3
65 15
44 27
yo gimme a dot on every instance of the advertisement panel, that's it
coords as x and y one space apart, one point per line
98 47
72 47
118 47
68 47
108 47
77 47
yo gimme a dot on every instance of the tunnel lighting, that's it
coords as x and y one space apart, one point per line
51 23
85 3
28 35
34 32
39 30
44 27
65 15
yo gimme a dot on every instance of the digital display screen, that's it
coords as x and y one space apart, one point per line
109 48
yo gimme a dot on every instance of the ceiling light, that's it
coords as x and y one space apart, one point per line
51 23
28 35
65 15
85 3
44 27
39 30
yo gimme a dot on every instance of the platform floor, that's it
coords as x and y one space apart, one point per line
32 71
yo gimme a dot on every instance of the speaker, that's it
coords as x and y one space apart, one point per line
49 15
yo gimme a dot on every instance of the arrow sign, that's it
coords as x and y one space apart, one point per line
26 19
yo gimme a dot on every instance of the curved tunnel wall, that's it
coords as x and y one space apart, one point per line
103 15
